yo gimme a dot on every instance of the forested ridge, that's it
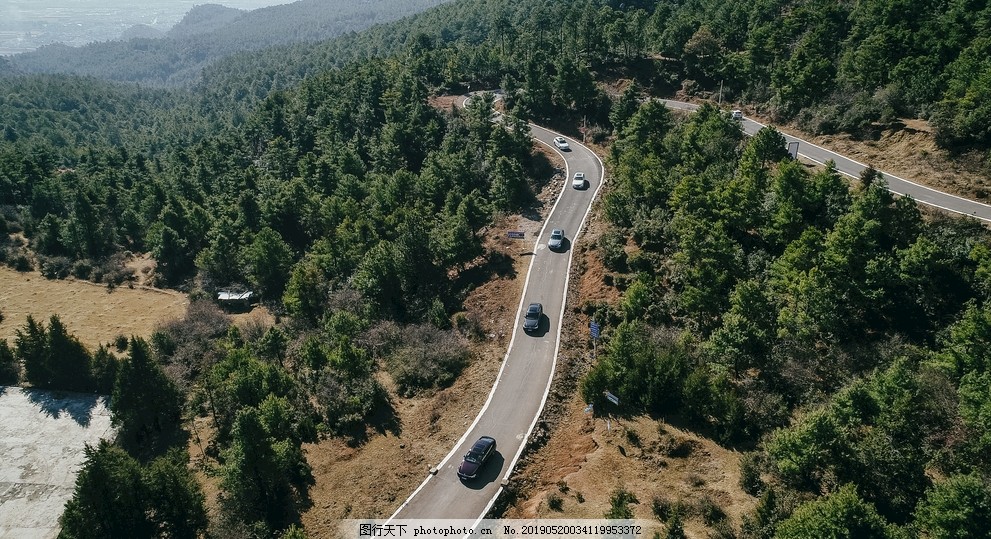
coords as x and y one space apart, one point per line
349 204
831 67
828 329
833 332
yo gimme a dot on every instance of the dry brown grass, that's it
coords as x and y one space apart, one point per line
92 312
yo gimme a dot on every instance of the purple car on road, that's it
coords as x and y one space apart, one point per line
476 457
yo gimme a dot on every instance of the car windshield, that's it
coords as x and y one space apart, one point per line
532 312
472 456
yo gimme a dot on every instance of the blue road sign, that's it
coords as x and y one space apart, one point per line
516 235
594 327
612 398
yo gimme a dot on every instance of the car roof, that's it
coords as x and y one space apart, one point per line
534 307
557 231
483 442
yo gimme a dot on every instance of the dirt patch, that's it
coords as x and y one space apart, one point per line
445 102
587 459
143 267
92 312
910 152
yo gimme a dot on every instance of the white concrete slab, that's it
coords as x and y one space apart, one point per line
42 437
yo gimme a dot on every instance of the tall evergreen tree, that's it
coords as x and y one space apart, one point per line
145 406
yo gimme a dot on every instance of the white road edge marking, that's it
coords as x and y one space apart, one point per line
512 339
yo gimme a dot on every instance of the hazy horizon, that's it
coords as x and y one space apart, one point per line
26 25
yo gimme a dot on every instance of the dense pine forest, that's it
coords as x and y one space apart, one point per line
833 332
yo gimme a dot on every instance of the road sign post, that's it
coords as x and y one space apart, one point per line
594 328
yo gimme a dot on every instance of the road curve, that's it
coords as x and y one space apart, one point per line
518 396
899 186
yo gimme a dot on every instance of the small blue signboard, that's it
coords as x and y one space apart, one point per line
612 398
516 235
594 327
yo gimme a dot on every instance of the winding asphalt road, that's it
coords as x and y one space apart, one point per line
512 408
899 186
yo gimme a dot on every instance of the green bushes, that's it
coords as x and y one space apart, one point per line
347 404
424 357
619 504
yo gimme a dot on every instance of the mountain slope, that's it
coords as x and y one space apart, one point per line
211 32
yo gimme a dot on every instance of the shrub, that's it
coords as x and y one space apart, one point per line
56 267
82 269
676 530
348 403
426 358
112 271
612 244
750 480
633 438
192 340
469 326
555 502
677 447
437 314
21 262
619 504
710 512
662 507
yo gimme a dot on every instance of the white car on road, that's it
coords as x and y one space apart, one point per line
561 143
578 182
556 241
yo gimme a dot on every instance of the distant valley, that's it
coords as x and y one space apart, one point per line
27 25
147 46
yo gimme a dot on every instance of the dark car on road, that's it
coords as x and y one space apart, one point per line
476 457
531 320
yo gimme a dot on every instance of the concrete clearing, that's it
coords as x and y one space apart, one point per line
42 437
